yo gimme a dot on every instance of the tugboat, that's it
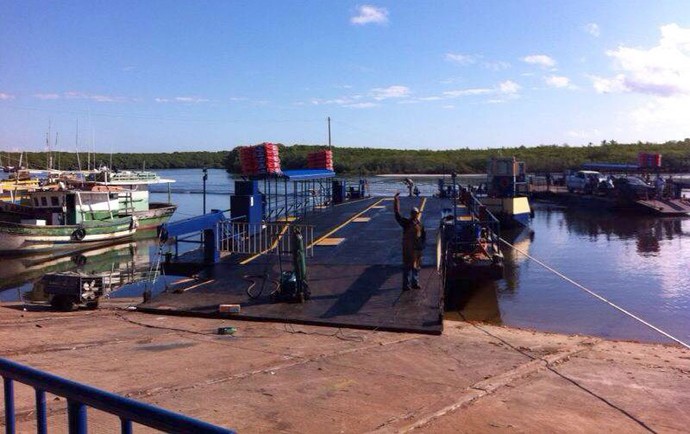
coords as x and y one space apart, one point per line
506 192
467 245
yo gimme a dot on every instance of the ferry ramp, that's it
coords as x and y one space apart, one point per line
355 275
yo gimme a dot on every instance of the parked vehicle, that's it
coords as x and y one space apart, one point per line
585 181
634 187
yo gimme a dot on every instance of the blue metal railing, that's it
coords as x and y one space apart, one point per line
80 397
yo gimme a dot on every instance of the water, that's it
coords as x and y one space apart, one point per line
640 263
637 262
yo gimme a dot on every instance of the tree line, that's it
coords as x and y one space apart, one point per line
368 161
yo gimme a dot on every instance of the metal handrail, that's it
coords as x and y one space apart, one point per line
79 396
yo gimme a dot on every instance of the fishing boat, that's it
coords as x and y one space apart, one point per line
506 192
63 219
17 186
134 195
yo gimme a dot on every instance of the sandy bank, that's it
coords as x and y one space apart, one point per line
281 378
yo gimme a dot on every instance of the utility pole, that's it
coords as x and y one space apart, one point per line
329 132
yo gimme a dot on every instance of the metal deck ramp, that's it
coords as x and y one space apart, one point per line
354 283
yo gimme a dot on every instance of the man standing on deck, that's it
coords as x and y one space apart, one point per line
413 240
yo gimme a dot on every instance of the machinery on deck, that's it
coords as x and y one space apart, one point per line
293 286
468 242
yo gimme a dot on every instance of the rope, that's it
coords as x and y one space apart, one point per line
595 295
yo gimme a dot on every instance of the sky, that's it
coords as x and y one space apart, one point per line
165 75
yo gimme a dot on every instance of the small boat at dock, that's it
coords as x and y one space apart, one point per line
134 195
505 195
62 219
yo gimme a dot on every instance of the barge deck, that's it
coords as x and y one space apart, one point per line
355 275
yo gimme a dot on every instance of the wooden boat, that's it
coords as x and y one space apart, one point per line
17 186
62 219
134 195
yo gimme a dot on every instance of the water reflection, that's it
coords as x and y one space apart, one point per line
645 230
127 262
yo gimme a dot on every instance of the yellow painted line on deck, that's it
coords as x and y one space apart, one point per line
273 246
337 228
361 219
330 241
206 282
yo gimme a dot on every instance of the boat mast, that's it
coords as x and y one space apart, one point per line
48 147
77 146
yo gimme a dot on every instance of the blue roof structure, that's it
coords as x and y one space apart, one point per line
307 174
610 166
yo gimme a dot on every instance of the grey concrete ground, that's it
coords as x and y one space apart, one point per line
295 379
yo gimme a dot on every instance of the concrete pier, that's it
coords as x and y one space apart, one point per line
271 377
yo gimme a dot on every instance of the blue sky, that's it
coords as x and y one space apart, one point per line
210 75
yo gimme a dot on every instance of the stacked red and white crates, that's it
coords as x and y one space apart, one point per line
261 159
320 160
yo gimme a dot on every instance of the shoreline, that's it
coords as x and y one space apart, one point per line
272 377
432 175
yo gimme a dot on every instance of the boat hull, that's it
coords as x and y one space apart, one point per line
510 211
156 215
17 238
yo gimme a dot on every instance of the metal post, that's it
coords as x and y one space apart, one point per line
9 405
205 170
125 426
76 416
41 414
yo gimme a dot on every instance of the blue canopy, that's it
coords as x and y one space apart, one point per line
306 174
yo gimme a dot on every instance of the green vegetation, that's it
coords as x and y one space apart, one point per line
172 160
554 158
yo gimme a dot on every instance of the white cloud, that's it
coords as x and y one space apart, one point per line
368 14
461 59
558 81
467 92
192 99
539 59
509 87
390 92
663 70
94 97
47 96
183 99
608 85
506 89
6 97
497 65
662 118
593 29
590 136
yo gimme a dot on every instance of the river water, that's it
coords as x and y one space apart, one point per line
638 262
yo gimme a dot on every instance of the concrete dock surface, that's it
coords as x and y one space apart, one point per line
271 377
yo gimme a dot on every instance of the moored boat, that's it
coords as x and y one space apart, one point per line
506 192
17 186
134 195
61 219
